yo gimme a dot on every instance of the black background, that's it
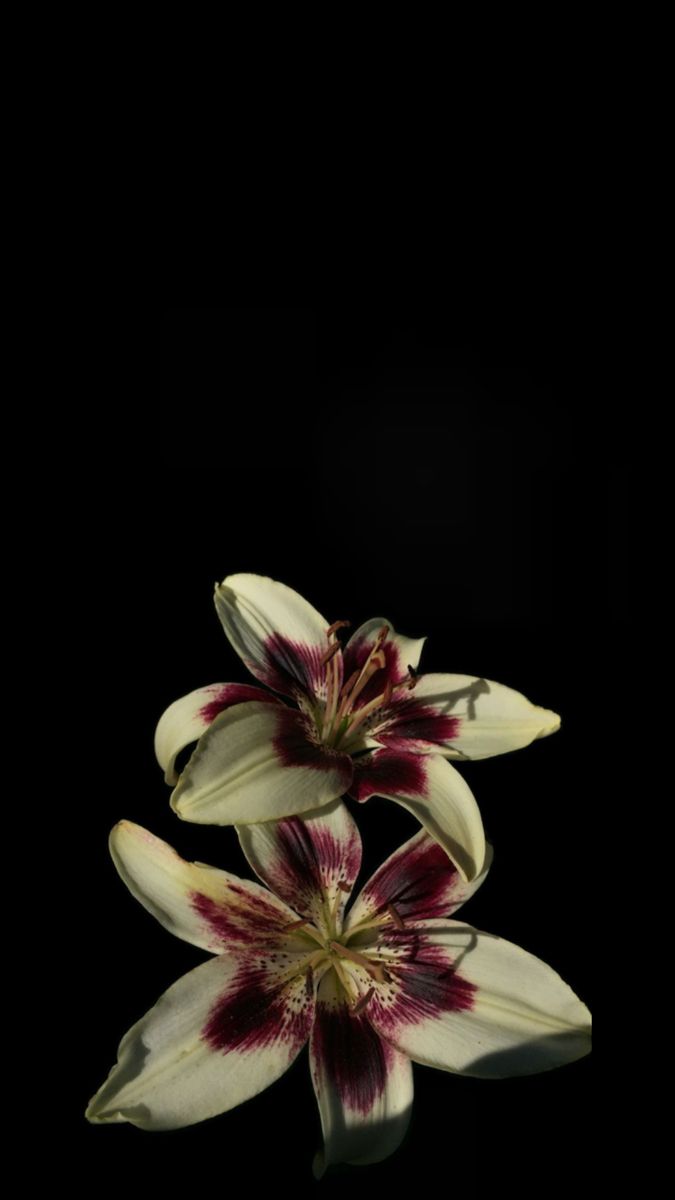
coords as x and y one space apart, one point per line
383 464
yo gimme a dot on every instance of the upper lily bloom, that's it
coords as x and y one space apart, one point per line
365 724
394 981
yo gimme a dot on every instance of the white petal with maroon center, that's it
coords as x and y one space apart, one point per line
218 1036
363 1086
258 762
395 983
469 1002
189 717
207 907
461 716
431 789
312 863
276 632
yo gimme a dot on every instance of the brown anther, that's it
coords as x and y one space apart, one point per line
395 917
385 975
337 625
382 636
388 689
330 653
350 682
412 677
309 981
377 662
294 925
344 887
363 1002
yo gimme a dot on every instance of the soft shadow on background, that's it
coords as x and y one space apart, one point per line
382 467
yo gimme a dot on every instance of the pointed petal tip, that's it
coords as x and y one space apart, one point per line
319 1165
96 1113
123 829
550 722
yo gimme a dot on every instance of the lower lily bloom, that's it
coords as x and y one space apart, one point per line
394 981
365 724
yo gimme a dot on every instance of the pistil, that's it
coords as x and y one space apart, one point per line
375 971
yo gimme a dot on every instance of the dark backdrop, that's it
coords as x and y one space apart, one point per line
381 463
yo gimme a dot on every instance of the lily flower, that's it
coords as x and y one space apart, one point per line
394 982
365 724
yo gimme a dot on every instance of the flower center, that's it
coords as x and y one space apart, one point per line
332 950
343 716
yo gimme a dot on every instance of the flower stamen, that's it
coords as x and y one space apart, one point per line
363 1002
337 625
330 653
396 918
375 971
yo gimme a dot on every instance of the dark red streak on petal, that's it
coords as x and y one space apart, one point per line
422 723
426 982
290 665
353 1056
294 747
241 916
389 774
232 693
308 859
254 1014
417 883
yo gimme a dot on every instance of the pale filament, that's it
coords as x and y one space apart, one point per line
339 719
374 969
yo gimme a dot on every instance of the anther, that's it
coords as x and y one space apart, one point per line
330 653
382 636
350 682
337 625
344 887
412 677
363 1002
395 917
